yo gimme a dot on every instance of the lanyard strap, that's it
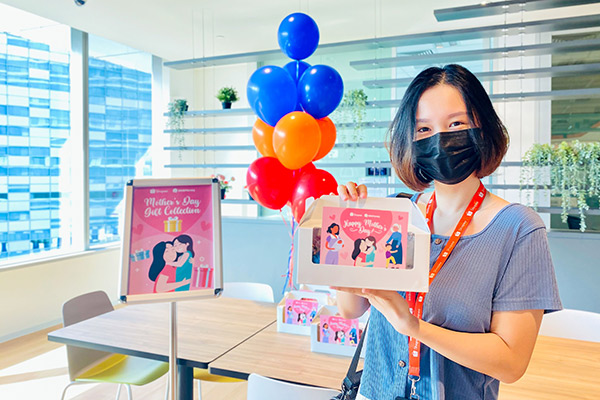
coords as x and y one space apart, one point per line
416 300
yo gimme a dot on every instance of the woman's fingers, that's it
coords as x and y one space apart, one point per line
352 191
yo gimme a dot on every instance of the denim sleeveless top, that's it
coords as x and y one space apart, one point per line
505 267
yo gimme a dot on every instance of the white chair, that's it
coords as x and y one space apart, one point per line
572 324
260 388
236 290
93 366
248 291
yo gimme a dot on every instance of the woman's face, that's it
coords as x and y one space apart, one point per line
180 247
441 108
335 230
170 253
369 242
363 246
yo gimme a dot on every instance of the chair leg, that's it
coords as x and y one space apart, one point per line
199 389
118 392
129 395
64 393
167 390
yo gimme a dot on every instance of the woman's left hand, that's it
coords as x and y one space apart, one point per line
391 304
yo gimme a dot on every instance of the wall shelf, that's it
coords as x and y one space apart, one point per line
502 7
476 55
549 72
548 95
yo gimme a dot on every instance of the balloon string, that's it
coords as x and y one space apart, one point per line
289 276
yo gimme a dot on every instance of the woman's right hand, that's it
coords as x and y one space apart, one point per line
352 191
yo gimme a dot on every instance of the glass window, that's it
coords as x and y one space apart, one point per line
120 123
35 175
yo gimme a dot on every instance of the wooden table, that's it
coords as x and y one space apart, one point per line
559 368
282 356
206 329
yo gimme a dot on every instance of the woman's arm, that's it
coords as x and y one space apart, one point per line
351 306
504 353
163 286
181 260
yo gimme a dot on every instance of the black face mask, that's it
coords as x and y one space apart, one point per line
447 157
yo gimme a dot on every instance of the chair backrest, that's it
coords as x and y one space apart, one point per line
572 324
260 388
249 291
78 309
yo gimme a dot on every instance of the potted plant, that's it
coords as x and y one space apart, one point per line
571 170
224 184
226 96
176 113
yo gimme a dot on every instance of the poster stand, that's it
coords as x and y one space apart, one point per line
180 221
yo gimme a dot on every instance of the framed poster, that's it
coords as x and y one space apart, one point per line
171 240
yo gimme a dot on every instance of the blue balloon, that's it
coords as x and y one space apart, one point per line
298 36
320 90
271 93
296 69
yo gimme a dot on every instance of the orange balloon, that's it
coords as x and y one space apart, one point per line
262 134
328 135
296 139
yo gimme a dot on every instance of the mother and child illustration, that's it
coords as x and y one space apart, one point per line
363 238
171 268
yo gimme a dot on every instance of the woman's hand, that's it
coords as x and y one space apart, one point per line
391 304
352 191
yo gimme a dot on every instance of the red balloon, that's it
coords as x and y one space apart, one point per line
311 184
297 173
269 182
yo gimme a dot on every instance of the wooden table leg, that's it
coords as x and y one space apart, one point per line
185 380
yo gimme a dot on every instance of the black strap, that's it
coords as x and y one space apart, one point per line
404 195
354 376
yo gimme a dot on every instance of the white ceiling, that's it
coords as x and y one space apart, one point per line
181 29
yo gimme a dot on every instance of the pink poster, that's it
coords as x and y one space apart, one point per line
364 237
338 330
171 247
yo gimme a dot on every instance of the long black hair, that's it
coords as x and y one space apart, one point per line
356 250
186 240
494 139
158 260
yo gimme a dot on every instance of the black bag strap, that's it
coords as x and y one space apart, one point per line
354 376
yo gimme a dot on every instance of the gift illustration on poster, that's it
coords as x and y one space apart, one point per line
364 237
171 230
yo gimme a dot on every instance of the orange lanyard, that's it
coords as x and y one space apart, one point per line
416 300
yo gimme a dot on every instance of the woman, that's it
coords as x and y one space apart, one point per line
359 254
161 271
333 243
370 252
482 313
184 246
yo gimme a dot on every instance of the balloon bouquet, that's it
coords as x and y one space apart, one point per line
292 130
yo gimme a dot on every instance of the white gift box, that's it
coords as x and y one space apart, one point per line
415 279
333 348
322 298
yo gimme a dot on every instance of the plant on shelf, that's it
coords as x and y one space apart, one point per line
226 96
176 113
224 184
571 169
352 112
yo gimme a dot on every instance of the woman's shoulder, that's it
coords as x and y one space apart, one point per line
519 219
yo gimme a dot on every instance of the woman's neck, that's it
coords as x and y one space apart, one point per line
452 199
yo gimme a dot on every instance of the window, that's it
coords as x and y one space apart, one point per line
120 126
34 135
